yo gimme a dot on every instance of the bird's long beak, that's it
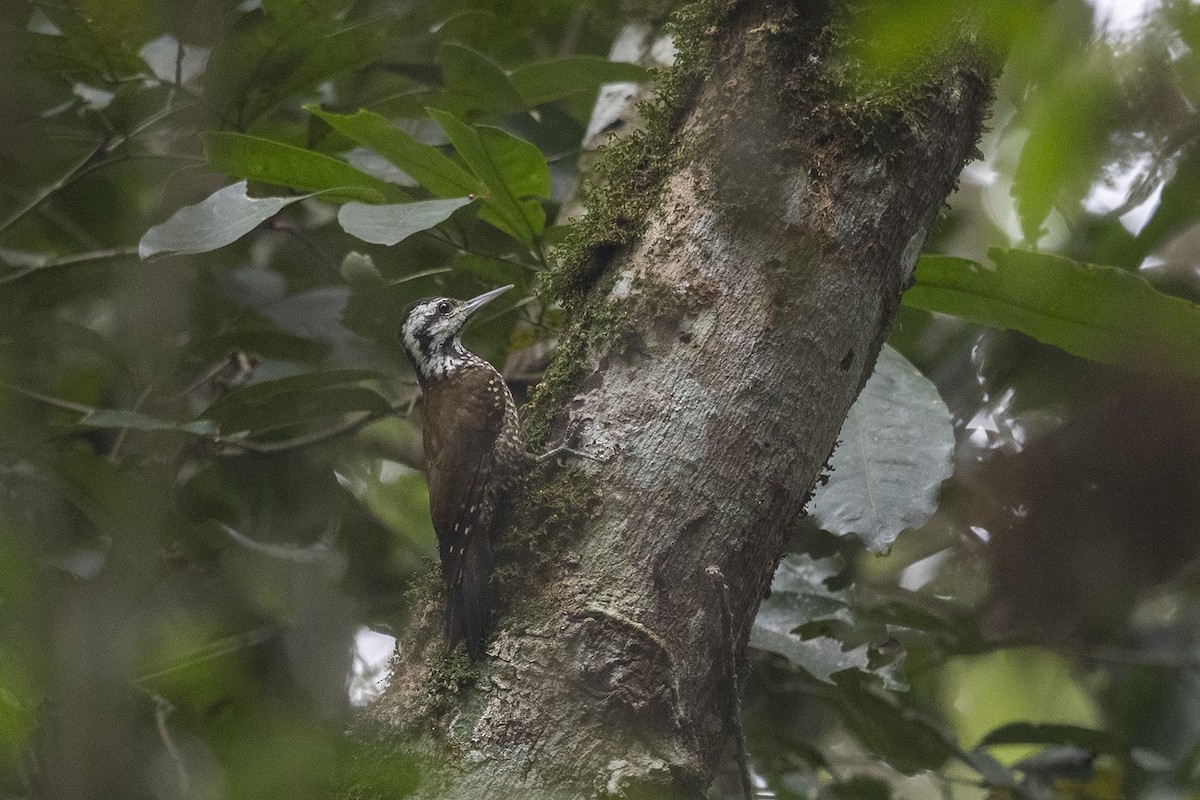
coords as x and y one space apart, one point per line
476 303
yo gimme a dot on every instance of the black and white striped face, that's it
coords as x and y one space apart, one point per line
432 330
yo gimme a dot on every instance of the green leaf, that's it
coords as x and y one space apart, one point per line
907 740
1063 154
1097 312
544 81
360 272
494 270
895 451
264 392
510 168
125 418
390 224
261 341
284 165
293 407
427 165
479 80
1055 734
223 217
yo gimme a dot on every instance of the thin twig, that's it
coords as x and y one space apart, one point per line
215 649
56 402
119 441
401 409
78 258
53 188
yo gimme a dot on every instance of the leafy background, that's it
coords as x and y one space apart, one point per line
211 218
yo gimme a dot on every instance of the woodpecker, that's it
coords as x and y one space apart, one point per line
473 456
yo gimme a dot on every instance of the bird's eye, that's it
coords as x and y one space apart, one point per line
443 307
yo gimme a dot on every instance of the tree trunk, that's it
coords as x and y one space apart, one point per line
711 360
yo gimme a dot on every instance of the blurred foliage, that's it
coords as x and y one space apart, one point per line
212 218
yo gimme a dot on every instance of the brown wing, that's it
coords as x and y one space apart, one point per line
463 418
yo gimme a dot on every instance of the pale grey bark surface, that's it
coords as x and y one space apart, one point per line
762 289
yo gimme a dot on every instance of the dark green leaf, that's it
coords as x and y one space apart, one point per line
264 342
478 79
889 729
1056 734
427 165
360 272
261 393
293 407
283 165
1102 313
494 270
895 451
223 217
862 787
544 81
511 169
393 223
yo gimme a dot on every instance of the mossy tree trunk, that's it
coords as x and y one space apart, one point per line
729 294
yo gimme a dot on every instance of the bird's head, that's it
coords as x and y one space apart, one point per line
432 329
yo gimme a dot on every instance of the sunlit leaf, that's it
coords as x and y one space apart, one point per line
390 224
284 165
223 217
1102 313
510 168
895 452
544 81
1069 123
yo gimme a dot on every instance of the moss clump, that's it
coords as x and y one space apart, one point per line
563 501
449 676
630 173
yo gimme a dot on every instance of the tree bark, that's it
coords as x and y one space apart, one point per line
741 324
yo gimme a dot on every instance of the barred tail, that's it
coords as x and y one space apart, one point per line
469 598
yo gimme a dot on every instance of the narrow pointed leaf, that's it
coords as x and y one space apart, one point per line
511 169
274 162
393 223
427 165
1102 313
127 418
221 218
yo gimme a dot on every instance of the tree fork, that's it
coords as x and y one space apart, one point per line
710 364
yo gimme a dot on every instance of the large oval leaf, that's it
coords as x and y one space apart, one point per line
894 454
223 217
